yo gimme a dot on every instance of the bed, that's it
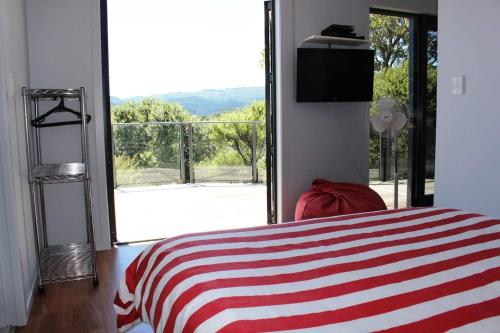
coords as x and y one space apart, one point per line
410 270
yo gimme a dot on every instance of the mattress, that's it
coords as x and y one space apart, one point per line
410 270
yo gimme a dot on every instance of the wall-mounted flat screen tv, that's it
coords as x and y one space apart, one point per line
334 75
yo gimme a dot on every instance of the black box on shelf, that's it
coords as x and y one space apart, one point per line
338 30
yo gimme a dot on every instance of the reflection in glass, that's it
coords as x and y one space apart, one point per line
430 112
390 38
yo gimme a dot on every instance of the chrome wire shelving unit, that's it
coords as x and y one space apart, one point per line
72 261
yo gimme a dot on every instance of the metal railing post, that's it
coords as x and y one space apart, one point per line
182 160
113 151
191 166
255 176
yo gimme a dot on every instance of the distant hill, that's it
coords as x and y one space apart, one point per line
206 102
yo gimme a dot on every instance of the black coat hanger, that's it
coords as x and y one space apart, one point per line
39 121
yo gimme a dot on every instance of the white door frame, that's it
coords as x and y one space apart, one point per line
5 265
14 300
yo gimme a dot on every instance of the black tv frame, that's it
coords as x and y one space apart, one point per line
304 97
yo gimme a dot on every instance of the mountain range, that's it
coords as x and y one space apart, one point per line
208 101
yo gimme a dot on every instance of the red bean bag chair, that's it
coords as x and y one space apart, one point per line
327 198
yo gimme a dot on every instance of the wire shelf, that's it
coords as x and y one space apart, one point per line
51 93
59 173
73 261
66 262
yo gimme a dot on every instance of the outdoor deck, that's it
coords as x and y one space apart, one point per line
164 211
152 212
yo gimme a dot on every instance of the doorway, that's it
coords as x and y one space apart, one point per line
406 69
190 116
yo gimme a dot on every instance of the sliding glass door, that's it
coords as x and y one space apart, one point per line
406 69
423 115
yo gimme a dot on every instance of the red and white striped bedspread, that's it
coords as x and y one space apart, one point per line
418 270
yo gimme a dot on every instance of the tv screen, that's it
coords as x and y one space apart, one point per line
334 75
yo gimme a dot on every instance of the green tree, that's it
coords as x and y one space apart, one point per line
238 137
147 110
432 88
129 140
389 37
138 137
392 82
432 49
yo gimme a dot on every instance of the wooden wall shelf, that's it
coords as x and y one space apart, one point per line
335 40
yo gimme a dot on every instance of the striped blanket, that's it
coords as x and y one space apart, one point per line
413 270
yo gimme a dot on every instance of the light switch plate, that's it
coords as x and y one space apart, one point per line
459 85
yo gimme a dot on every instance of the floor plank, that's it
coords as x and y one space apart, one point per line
80 307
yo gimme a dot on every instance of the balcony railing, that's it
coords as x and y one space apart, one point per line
189 152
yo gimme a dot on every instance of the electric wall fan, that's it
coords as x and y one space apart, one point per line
390 120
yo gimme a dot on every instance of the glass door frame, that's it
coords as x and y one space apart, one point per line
108 129
270 63
420 24
270 67
419 27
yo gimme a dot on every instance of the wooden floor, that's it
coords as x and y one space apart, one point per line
80 307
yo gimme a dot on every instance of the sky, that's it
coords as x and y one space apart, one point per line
162 46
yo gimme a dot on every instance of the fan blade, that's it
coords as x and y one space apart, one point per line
378 124
397 108
399 121
386 104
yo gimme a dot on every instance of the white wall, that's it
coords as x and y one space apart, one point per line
17 254
64 52
410 6
328 140
468 126
5 278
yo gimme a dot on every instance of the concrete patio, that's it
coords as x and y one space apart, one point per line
153 212
386 191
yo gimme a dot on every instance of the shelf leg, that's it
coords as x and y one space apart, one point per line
90 225
43 220
36 230
41 290
87 188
